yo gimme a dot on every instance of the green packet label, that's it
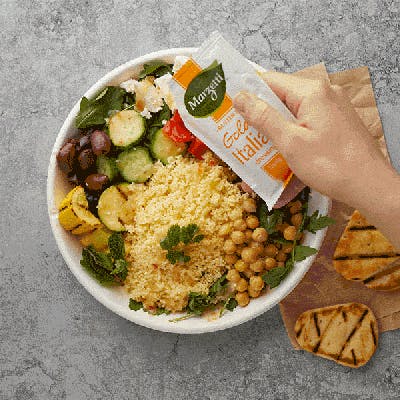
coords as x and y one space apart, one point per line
206 91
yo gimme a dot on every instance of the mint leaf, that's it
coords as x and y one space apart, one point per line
98 265
121 269
302 252
269 220
135 305
116 246
316 222
93 112
155 68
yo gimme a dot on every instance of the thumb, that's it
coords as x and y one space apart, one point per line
265 118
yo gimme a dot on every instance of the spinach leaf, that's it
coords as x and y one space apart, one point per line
155 122
155 68
93 112
316 222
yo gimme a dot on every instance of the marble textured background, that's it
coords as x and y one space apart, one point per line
57 342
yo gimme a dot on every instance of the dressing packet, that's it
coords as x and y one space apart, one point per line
203 88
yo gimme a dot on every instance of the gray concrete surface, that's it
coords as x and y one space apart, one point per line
57 342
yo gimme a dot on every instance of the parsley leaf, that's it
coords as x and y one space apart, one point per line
155 68
316 222
269 220
302 252
135 305
173 237
177 234
231 304
197 303
160 311
174 256
93 112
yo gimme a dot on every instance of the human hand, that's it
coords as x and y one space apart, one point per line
327 146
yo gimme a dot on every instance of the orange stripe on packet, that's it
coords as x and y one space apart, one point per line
277 168
225 106
186 74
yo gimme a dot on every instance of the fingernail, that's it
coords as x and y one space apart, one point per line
241 101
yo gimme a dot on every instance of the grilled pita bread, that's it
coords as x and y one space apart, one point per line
344 333
364 254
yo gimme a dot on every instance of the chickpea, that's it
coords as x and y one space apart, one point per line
240 225
270 250
242 299
281 256
249 255
229 247
225 230
260 235
290 232
270 263
239 249
254 293
256 283
249 205
242 285
287 247
238 237
248 273
296 219
280 264
230 258
257 266
257 246
282 227
233 276
240 266
295 207
249 235
252 222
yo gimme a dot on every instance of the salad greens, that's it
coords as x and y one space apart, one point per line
155 68
94 112
299 252
108 268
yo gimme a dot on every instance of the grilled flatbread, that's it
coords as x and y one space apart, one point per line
344 333
364 254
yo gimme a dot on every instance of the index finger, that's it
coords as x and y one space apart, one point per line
289 88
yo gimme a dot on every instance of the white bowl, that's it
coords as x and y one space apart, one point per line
116 299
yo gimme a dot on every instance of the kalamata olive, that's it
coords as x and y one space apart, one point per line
66 157
74 179
101 143
84 142
93 200
86 159
96 182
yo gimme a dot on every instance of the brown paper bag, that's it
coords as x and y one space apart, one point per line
322 285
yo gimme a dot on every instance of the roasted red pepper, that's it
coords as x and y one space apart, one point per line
197 148
176 130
